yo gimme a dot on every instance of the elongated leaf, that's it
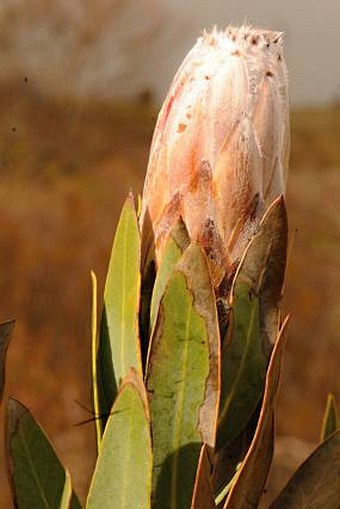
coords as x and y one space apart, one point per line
6 329
330 422
37 477
255 299
194 266
244 366
222 495
227 460
246 491
176 244
119 347
122 476
94 351
66 498
263 268
183 379
203 497
316 484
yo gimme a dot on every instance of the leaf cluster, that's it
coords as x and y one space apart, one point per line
183 395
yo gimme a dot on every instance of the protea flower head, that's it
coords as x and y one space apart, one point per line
220 150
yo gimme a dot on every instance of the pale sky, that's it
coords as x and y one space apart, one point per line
107 49
312 46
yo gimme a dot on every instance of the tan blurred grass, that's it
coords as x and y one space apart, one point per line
64 171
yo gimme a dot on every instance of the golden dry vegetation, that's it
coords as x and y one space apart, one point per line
65 169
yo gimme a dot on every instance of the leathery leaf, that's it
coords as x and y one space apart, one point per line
176 244
183 379
6 330
227 460
122 476
251 477
244 366
263 268
119 346
36 474
203 496
255 300
330 422
94 349
316 483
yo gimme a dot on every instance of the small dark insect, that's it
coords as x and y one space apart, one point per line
94 417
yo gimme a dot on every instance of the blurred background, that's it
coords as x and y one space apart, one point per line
80 86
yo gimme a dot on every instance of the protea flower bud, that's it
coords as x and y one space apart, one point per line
220 151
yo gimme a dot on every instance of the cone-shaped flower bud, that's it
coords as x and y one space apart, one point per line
220 150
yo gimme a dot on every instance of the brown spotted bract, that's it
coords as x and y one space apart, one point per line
220 150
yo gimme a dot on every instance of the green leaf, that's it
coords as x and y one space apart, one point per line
6 329
316 483
66 498
263 268
37 477
122 476
330 422
244 365
94 353
175 245
119 346
254 316
203 496
227 460
251 477
222 495
183 379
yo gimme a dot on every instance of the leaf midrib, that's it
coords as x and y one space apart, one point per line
34 472
123 308
179 414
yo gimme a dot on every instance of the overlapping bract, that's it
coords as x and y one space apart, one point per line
220 151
